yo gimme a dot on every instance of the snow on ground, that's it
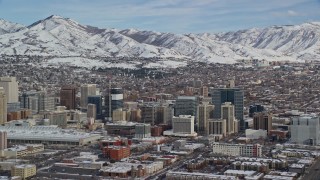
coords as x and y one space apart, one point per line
166 64
86 63
91 63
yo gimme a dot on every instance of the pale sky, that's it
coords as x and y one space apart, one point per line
177 16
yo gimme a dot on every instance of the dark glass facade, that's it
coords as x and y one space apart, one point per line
233 95
97 100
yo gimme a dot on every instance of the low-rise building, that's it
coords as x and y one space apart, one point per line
21 150
250 150
24 171
173 175
116 152
48 135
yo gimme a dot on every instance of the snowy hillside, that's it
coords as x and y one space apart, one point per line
9 27
58 36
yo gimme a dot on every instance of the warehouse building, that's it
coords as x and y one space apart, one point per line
47 135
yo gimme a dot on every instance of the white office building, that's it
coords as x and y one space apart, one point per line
10 86
305 129
183 124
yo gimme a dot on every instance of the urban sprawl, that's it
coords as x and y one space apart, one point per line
254 120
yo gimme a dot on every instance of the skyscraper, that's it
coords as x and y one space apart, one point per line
92 111
186 105
113 101
46 102
68 97
233 95
255 108
87 90
262 120
3 106
227 113
30 100
96 100
204 91
10 86
148 112
204 112
305 129
3 140
37 101
156 113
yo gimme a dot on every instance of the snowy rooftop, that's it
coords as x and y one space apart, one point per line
278 177
288 174
23 147
259 159
121 167
297 166
240 172
25 166
213 176
45 132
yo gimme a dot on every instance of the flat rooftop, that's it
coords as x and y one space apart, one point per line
45 133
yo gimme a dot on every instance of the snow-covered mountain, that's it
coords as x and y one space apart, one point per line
58 36
9 27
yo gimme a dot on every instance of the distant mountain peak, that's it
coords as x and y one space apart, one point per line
9 27
55 17
59 36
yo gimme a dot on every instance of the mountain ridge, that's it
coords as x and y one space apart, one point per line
59 36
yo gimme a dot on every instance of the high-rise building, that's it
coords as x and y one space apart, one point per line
13 107
164 114
37 101
183 124
217 127
46 102
96 100
197 83
119 115
87 90
233 95
3 106
305 129
30 100
3 140
68 97
156 113
255 108
142 131
92 111
204 112
58 118
113 101
135 115
262 120
148 112
227 113
186 105
10 86
204 91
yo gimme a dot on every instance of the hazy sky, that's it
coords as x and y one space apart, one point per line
180 16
